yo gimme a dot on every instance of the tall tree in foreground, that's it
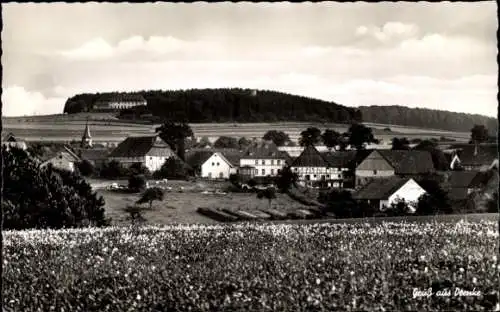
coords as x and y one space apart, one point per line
310 136
175 135
359 135
331 138
278 137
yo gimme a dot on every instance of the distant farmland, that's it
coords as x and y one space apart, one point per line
60 128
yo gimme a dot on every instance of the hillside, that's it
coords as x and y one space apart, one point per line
240 105
426 118
220 105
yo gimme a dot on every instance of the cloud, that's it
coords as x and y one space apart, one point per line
19 102
154 46
390 31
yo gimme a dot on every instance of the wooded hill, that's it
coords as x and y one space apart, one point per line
240 105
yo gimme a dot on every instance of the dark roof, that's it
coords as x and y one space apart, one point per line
310 157
140 146
458 193
197 158
465 179
486 154
233 157
341 159
64 151
264 150
94 153
380 188
409 162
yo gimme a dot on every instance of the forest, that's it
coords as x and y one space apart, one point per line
245 105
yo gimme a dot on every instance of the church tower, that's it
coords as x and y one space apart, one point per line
86 138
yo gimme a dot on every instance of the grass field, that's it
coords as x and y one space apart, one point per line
111 130
252 267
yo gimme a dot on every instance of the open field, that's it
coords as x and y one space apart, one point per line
257 267
111 130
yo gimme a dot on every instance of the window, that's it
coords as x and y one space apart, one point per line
221 175
218 164
263 171
256 162
278 162
213 164
210 175
151 158
272 171
315 176
272 162
263 162
374 172
328 176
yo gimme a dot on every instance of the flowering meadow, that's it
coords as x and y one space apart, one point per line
254 267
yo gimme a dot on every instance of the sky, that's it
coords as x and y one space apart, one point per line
430 55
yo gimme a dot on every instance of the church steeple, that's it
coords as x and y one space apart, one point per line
86 138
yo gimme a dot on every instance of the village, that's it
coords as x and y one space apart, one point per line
206 174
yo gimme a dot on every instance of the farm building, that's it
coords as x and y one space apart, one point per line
465 187
262 159
10 140
382 193
151 151
295 151
388 163
119 101
61 158
313 169
344 162
96 156
217 166
481 157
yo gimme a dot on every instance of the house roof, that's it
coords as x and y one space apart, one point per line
486 154
465 179
63 151
94 153
409 162
310 157
197 158
233 157
264 150
458 193
381 188
345 159
140 146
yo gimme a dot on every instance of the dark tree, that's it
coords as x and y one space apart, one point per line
35 197
175 135
399 208
252 183
173 168
139 168
310 136
340 203
86 168
438 157
244 143
137 183
226 142
359 135
204 141
479 134
269 194
113 170
492 204
235 179
286 178
400 144
436 199
331 138
150 195
278 137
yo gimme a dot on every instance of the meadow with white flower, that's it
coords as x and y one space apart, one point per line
242 267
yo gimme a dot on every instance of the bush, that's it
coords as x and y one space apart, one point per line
173 168
139 168
137 183
150 195
86 168
56 198
114 170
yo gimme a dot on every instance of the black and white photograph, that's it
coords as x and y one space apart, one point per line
249 156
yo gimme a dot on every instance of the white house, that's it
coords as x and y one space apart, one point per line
151 151
217 166
64 159
263 159
383 192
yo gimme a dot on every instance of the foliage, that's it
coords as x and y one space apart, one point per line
226 142
438 157
137 182
479 134
86 168
278 137
151 194
235 179
35 197
135 214
426 118
113 170
269 194
492 203
204 141
340 203
400 144
173 168
310 136
359 135
435 201
399 208
139 168
175 135
243 143
331 138
286 178
221 105
252 183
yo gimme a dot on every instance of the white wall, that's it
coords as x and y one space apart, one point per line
216 167
270 166
410 192
154 163
329 173
61 163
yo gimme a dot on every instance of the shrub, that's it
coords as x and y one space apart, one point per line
86 168
114 170
173 168
150 195
139 168
56 198
137 183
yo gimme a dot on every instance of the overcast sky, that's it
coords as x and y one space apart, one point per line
433 55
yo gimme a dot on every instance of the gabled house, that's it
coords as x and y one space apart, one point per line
10 140
217 166
313 169
96 156
382 193
263 159
463 186
150 151
481 157
62 158
388 163
344 163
